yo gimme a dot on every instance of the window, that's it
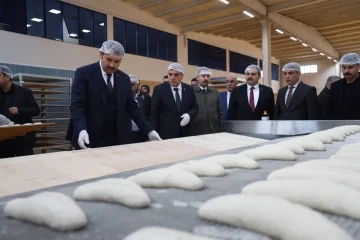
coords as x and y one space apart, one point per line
13 16
274 72
35 18
201 54
145 41
100 29
308 69
53 20
239 62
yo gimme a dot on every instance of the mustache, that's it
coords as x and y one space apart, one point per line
345 74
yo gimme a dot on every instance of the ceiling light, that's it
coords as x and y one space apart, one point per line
279 31
335 61
304 44
28 25
102 24
329 57
86 31
314 49
54 11
36 20
322 54
249 14
292 38
73 35
224 1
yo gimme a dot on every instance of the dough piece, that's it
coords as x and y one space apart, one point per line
309 143
354 147
351 180
321 137
316 194
330 164
346 155
38 123
332 135
168 178
51 209
345 129
355 127
233 161
114 190
292 147
272 216
202 169
25 124
269 153
162 233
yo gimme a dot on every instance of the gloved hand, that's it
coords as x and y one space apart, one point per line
154 136
185 119
83 138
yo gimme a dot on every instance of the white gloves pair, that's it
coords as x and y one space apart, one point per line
185 119
84 138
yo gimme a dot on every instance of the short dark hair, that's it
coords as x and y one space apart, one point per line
166 76
147 88
194 79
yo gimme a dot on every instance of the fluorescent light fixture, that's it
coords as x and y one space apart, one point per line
28 25
102 24
73 35
322 54
279 31
249 14
224 1
304 44
329 57
86 31
36 20
292 38
54 11
335 61
314 49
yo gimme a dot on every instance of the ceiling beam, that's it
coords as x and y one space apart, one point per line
255 6
181 7
339 25
291 4
214 22
149 4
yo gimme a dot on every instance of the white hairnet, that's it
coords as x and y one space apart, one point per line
203 70
350 59
134 78
112 48
292 66
6 70
253 66
177 67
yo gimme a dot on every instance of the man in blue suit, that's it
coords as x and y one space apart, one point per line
102 103
231 82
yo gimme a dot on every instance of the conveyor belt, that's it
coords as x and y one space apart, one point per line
171 207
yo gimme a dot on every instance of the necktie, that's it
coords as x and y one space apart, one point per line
177 97
252 102
288 100
109 85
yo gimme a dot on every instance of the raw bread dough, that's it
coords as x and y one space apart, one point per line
161 233
25 124
321 137
202 169
309 143
350 148
233 161
332 135
113 190
272 216
330 164
168 178
346 155
55 210
273 152
351 180
317 194
292 147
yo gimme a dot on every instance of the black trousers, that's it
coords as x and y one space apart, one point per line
15 148
137 137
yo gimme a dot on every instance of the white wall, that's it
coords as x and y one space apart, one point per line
34 51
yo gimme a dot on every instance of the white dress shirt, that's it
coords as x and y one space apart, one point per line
256 92
228 99
179 91
202 88
293 90
105 75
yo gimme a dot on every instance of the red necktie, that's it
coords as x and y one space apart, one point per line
252 102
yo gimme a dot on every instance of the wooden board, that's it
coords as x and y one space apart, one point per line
43 85
7 132
41 92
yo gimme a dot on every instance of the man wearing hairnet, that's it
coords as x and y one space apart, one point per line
344 100
103 105
296 101
17 105
173 105
323 97
210 115
252 100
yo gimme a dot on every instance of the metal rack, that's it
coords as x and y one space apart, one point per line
53 97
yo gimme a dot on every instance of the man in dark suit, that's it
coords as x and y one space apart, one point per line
102 103
18 105
252 100
145 94
173 105
323 97
344 100
297 101
224 97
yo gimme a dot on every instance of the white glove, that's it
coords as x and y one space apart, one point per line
186 119
154 136
83 138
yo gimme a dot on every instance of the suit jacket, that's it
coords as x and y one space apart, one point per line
323 100
223 103
344 100
165 116
147 106
88 105
239 107
303 105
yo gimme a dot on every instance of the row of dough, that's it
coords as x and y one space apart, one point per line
25 124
